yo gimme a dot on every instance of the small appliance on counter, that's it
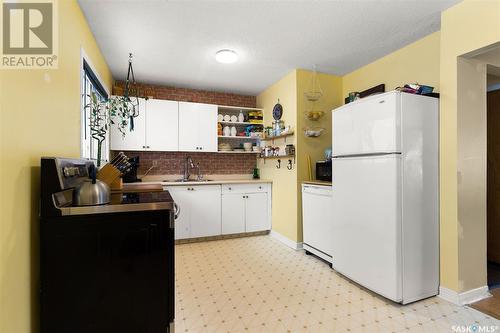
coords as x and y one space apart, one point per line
324 170
105 266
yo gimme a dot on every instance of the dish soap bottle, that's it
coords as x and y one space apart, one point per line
241 117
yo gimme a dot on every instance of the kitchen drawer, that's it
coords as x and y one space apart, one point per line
245 188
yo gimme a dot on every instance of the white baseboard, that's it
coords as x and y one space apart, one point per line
288 242
466 297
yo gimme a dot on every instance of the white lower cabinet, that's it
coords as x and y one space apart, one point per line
211 210
256 212
200 210
182 198
205 211
246 208
233 213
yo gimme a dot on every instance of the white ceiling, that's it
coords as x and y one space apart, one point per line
174 42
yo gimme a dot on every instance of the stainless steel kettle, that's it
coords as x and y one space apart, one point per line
91 191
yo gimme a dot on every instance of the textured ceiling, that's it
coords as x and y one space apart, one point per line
174 42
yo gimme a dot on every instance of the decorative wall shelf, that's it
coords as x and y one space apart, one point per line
278 157
274 137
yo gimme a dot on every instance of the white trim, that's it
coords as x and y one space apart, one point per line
84 56
285 240
466 297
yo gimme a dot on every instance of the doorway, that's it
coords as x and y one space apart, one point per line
491 305
493 177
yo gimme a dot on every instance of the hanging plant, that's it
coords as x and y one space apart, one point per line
122 113
116 110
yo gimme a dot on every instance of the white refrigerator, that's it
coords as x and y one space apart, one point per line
385 216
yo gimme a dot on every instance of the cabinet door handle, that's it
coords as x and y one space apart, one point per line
260 187
229 189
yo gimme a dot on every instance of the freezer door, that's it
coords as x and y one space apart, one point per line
370 126
366 222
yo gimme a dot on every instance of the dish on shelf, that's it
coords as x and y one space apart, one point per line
234 119
220 117
313 132
247 146
227 118
224 146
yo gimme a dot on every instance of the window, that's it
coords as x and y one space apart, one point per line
90 83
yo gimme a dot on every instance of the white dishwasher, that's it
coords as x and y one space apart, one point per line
317 220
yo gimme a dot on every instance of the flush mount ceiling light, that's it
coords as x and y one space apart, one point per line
226 56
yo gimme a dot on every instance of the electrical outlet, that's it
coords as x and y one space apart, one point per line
155 163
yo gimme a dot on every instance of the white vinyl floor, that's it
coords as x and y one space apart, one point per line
257 284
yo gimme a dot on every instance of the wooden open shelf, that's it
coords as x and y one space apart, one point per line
239 123
238 152
278 157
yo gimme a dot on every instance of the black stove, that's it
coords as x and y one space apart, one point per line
106 268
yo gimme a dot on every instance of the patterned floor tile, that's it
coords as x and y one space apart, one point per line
256 284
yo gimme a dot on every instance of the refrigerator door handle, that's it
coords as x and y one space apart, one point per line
366 155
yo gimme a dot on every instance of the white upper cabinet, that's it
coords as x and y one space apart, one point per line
133 140
197 127
156 128
162 125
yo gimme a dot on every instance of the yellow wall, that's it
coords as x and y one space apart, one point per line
417 62
466 27
286 212
314 147
40 116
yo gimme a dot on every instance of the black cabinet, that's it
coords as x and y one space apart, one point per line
108 273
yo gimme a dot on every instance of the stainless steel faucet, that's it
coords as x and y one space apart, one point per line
188 164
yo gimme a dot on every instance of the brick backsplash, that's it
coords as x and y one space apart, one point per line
189 95
172 163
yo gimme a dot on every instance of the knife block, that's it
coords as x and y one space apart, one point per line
111 176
